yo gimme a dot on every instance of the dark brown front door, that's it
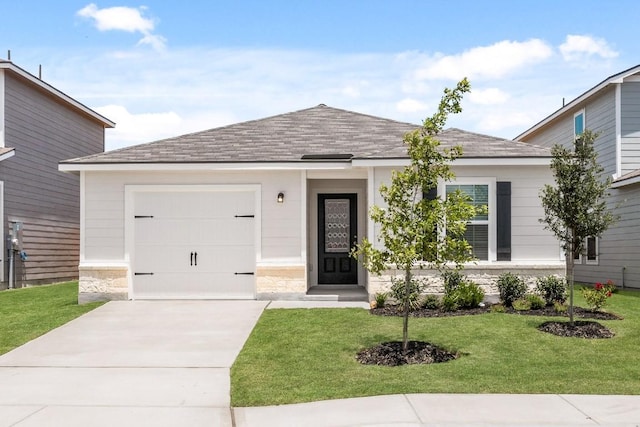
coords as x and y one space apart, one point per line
337 235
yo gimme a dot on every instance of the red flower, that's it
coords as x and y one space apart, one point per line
608 294
598 286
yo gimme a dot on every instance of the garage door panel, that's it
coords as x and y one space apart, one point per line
213 226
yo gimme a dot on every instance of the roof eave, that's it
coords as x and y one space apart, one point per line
615 79
6 65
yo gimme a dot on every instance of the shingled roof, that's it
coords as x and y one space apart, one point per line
317 133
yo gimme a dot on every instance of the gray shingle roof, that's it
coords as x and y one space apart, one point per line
317 131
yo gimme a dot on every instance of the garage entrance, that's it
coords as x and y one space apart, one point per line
193 244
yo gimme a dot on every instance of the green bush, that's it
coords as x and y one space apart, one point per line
381 299
398 289
552 289
431 302
452 280
468 294
521 304
535 301
559 307
449 303
511 288
498 308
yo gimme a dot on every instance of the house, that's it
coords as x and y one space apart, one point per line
612 109
39 126
270 208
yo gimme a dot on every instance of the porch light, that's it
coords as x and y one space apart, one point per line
280 197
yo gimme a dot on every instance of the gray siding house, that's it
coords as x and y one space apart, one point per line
612 109
39 126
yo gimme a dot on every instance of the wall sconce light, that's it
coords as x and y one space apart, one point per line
280 197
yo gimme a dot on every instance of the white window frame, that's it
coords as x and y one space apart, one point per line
490 182
584 122
595 261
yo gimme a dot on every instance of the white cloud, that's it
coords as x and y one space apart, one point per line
488 62
409 105
579 48
127 19
490 96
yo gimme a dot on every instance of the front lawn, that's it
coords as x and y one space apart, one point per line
27 313
301 355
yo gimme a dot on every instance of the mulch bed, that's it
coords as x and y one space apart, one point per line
390 354
579 329
580 312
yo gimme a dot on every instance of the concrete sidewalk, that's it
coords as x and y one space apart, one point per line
450 410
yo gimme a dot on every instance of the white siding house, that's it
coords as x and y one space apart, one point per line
269 209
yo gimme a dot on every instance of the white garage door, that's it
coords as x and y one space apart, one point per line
194 245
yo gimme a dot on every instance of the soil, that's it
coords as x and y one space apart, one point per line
390 354
579 329
579 312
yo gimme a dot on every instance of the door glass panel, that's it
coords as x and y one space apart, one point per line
336 230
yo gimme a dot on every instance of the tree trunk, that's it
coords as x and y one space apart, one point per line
405 320
570 267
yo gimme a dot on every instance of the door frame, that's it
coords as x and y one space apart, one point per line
129 224
333 186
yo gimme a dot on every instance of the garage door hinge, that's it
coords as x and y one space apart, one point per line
143 274
143 216
249 273
245 216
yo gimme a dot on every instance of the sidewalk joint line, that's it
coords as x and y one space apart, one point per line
578 409
415 412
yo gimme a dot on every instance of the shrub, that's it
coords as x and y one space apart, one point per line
381 299
415 290
452 280
468 294
449 303
498 308
597 296
431 302
521 304
511 288
559 307
535 301
552 289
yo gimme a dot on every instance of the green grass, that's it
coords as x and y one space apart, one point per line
27 313
301 355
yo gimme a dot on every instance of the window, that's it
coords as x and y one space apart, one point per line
592 250
578 123
477 233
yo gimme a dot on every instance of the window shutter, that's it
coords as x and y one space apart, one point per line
503 220
431 194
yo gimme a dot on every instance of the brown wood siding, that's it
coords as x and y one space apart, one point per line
43 132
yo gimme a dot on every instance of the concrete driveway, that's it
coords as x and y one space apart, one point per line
161 363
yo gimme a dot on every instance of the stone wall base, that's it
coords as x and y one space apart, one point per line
280 280
102 283
485 276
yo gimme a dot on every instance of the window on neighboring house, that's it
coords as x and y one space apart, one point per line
477 233
578 123
592 250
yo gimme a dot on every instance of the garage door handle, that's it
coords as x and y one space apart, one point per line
248 273
195 258
245 216
191 262
143 274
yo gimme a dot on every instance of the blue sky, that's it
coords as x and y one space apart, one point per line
164 68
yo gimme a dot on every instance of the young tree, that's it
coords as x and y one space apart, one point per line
412 228
576 207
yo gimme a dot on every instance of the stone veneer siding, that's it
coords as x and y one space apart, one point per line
485 276
281 282
102 283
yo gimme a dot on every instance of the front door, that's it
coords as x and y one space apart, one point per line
337 235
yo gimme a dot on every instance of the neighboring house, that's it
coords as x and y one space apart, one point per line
612 109
270 208
39 126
